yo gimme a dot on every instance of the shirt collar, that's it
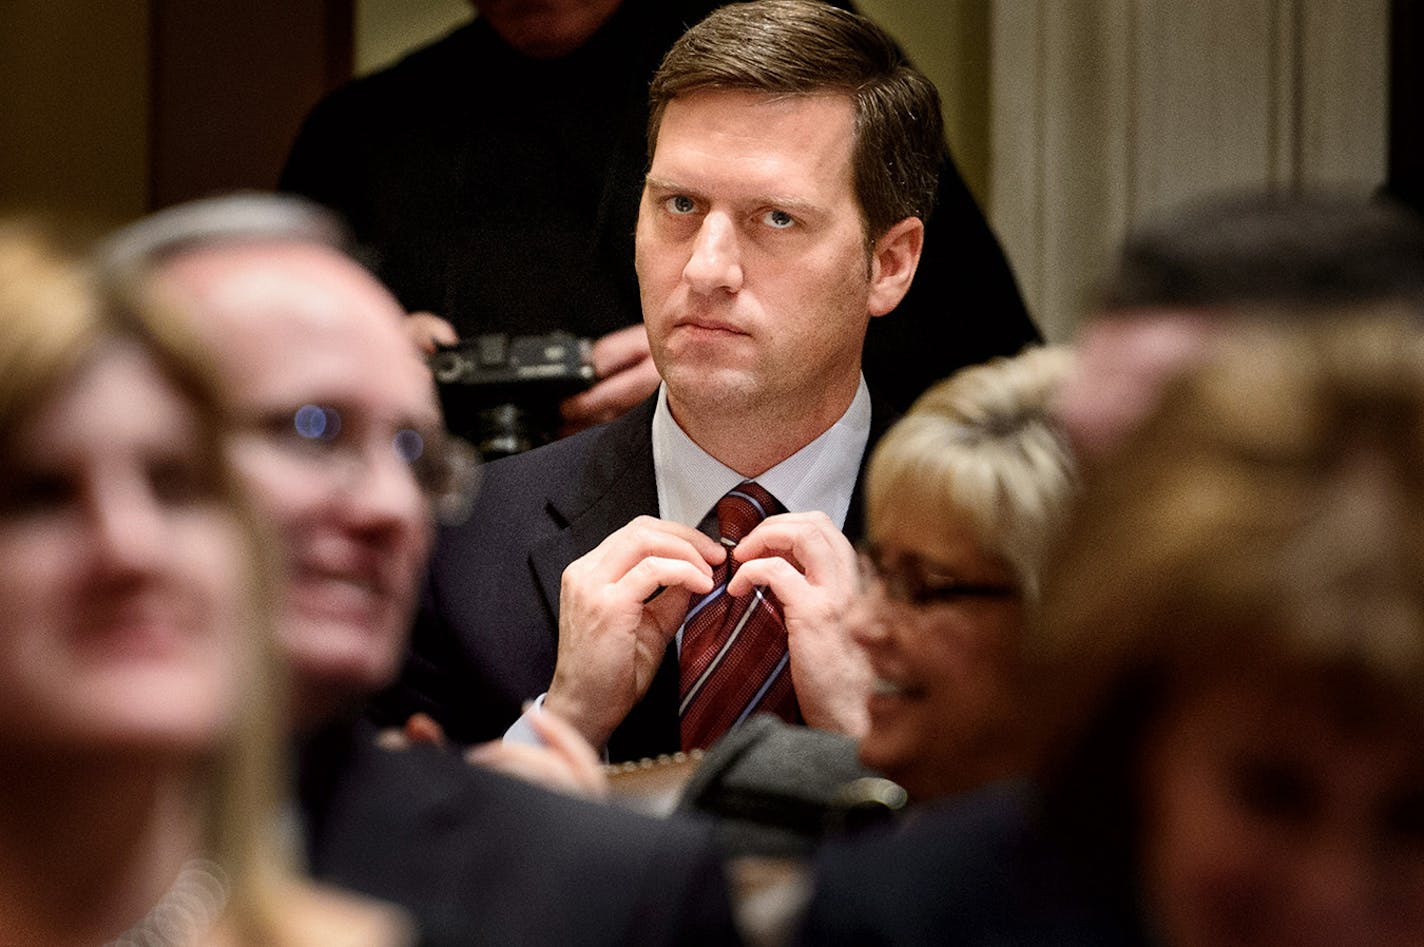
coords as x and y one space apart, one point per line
820 476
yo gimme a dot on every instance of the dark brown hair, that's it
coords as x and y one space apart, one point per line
805 47
1299 252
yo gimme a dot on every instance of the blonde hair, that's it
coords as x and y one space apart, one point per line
55 317
982 446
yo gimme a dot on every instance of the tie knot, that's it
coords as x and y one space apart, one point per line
742 508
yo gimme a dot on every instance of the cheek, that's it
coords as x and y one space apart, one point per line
652 255
41 589
417 554
283 495
1212 868
219 572
973 654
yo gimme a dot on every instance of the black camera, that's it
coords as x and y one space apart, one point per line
502 392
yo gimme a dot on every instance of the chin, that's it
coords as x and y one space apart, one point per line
341 658
723 389
174 724
882 752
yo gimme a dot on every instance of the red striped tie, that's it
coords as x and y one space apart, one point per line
733 661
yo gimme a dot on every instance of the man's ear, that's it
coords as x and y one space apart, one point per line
893 263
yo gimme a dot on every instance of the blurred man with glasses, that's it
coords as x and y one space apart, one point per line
344 450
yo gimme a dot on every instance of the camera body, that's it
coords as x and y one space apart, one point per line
502 392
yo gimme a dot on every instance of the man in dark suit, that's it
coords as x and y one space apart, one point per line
343 450
496 174
794 154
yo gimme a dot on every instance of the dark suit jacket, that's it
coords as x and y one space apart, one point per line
980 870
487 634
478 858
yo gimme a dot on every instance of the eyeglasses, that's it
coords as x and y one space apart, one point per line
322 439
911 580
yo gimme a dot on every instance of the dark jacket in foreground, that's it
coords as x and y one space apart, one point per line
478 858
979 871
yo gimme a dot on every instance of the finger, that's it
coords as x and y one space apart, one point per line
653 573
611 397
422 728
784 579
811 542
561 737
647 537
428 331
786 532
533 764
620 349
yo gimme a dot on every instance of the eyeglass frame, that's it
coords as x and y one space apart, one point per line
919 586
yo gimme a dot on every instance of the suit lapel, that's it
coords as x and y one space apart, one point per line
613 484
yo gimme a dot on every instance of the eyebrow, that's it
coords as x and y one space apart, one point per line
799 205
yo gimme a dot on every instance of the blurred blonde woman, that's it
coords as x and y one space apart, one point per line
137 709
962 496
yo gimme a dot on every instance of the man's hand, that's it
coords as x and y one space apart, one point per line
427 330
811 567
618 607
565 762
626 375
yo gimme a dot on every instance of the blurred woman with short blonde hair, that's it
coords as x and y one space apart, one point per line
962 497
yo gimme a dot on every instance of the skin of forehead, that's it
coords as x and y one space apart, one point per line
261 304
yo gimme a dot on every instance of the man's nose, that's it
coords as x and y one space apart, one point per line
715 262
380 491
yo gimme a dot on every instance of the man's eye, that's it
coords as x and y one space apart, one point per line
779 219
316 422
309 427
680 204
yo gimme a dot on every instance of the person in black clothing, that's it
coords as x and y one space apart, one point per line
496 175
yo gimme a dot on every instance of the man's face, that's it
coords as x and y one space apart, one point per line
337 404
756 280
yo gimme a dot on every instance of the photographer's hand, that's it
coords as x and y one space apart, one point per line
626 375
427 330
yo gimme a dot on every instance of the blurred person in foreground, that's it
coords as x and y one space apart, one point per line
139 694
343 449
1194 273
963 496
1227 677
